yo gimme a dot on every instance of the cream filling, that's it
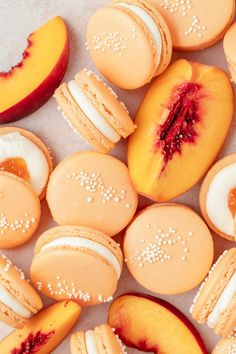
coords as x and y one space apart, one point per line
150 24
92 113
217 199
90 342
12 303
80 242
15 145
223 302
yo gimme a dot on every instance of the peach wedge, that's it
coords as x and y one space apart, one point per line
33 81
153 325
181 126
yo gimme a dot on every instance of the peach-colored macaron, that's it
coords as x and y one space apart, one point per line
218 197
230 50
94 190
25 155
163 248
196 24
94 111
129 42
20 211
215 302
18 299
226 345
100 340
77 263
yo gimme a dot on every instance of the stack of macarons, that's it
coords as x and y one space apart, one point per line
230 50
215 302
94 111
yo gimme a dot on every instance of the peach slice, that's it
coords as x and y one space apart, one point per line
182 124
44 331
153 325
32 82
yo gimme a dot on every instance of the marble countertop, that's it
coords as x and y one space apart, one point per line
18 19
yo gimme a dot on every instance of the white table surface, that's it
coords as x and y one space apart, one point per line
18 18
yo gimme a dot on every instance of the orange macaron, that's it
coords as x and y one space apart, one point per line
129 42
18 299
82 264
20 210
94 111
100 340
215 302
196 24
94 190
163 248
25 155
218 197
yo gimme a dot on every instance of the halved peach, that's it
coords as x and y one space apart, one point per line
182 124
44 331
153 325
32 82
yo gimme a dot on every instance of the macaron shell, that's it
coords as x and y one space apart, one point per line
120 64
79 121
180 19
106 102
77 343
226 161
214 285
225 346
74 270
13 191
108 204
37 142
229 44
10 318
106 341
227 321
12 278
176 232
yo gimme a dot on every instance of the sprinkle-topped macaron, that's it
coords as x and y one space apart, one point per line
94 190
129 42
82 264
25 155
18 299
218 197
20 211
215 302
226 345
190 22
100 340
163 248
94 111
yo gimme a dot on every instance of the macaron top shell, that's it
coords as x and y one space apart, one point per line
189 22
82 264
226 346
94 190
230 44
20 211
122 46
19 144
163 248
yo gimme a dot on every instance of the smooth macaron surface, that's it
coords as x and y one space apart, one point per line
215 301
82 264
189 22
94 111
163 248
217 197
230 44
123 46
20 210
18 299
94 190
25 155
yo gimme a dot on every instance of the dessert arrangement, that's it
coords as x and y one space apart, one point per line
172 143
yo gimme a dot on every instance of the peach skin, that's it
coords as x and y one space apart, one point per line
175 143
